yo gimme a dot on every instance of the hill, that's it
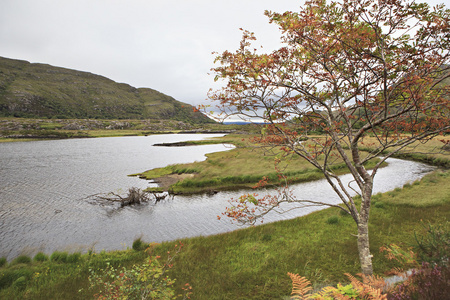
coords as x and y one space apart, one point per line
34 90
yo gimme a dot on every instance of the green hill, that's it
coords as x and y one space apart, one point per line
35 90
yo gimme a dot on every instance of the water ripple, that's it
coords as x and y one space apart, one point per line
44 187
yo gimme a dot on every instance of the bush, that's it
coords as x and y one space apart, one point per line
143 281
425 283
429 280
58 256
40 256
23 259
434 246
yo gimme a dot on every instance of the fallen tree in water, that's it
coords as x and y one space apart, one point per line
134 196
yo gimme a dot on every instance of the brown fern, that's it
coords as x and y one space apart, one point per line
300 286
371 287
326 292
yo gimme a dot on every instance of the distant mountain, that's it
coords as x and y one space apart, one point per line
33 90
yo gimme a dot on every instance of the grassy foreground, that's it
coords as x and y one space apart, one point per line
252 263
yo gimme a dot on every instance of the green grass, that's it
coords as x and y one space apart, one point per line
242 167
430 152
253 263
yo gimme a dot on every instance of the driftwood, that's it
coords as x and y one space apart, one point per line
159 196
134 196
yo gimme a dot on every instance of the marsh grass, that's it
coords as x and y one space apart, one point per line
22 259
242 167
59 256
430 152
139 244
40 257
416 195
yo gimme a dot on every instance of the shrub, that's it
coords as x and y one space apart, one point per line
40 256
429 280
58 256
434 246
146 281
424 283
23 259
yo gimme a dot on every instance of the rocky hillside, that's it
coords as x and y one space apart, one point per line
34 90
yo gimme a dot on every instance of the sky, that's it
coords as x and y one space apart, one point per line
165 45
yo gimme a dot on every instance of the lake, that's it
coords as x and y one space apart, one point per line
45 188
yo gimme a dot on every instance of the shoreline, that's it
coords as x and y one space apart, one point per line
212 175
21 129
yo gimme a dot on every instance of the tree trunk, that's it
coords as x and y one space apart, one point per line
365 257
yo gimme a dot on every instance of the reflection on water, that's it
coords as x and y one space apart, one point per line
44 185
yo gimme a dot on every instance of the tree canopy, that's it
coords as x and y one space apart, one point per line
350 70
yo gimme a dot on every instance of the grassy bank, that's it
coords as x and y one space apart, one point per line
252 263
241 167
247 164
431 152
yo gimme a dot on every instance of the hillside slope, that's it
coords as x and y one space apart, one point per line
42 91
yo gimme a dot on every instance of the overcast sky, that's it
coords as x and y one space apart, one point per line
165 45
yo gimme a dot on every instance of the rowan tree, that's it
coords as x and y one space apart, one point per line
351 69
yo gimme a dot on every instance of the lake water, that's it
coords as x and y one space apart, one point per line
45 188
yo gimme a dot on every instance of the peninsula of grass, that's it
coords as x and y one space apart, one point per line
239 168
252 263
